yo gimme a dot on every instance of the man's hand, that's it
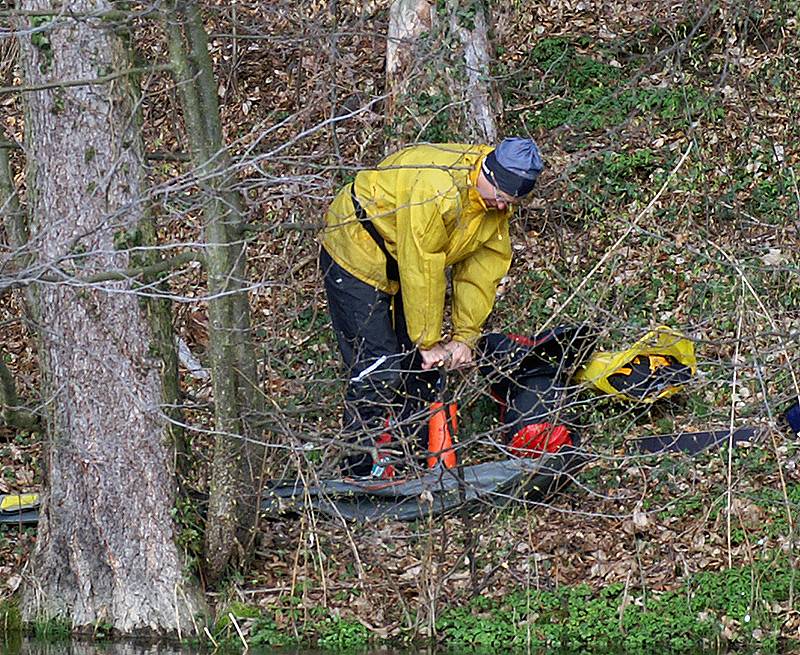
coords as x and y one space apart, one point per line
460 354
433 357
451 355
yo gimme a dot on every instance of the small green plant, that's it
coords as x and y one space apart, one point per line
772 200
59 101
620 619
265 632
310 320
40 38
433 114
51 629
687 506
10 619
465 12
190 530
340 634
589 94
102 631
552 54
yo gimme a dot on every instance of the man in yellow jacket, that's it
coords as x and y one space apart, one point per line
389 238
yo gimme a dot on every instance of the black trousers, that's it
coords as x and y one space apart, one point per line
386 385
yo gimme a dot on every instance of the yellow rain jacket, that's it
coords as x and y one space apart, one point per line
422 200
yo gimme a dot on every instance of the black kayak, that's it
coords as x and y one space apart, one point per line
21 509
437 491
434 492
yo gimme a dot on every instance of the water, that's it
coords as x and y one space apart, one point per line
32 647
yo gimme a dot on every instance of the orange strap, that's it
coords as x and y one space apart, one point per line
442 427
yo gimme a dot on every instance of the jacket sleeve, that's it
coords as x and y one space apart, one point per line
475 283
421 250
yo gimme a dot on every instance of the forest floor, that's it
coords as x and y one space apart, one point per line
670 197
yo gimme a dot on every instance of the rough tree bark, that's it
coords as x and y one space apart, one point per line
437 91
237 467
105 550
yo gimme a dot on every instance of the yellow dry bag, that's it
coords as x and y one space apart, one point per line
656 366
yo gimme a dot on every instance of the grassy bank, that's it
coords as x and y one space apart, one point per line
741 609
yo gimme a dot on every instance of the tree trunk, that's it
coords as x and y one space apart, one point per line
437 91
13 217
11 410
105 550
408 21
482 96
237 467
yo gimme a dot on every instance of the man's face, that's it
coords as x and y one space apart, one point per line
503 200
494 197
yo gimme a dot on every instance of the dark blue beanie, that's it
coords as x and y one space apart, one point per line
513 166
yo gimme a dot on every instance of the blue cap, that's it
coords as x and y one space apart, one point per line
514 165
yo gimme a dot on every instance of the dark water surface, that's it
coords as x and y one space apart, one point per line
32 647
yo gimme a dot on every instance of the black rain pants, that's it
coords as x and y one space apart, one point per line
386 386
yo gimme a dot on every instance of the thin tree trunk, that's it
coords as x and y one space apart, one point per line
408 21
10 408
423 63
481 93
12 214
159 312
13 413
238 454
105 550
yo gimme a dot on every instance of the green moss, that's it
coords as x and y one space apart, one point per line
238 611
261 628
128 238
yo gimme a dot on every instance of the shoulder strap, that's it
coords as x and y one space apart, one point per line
392 271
